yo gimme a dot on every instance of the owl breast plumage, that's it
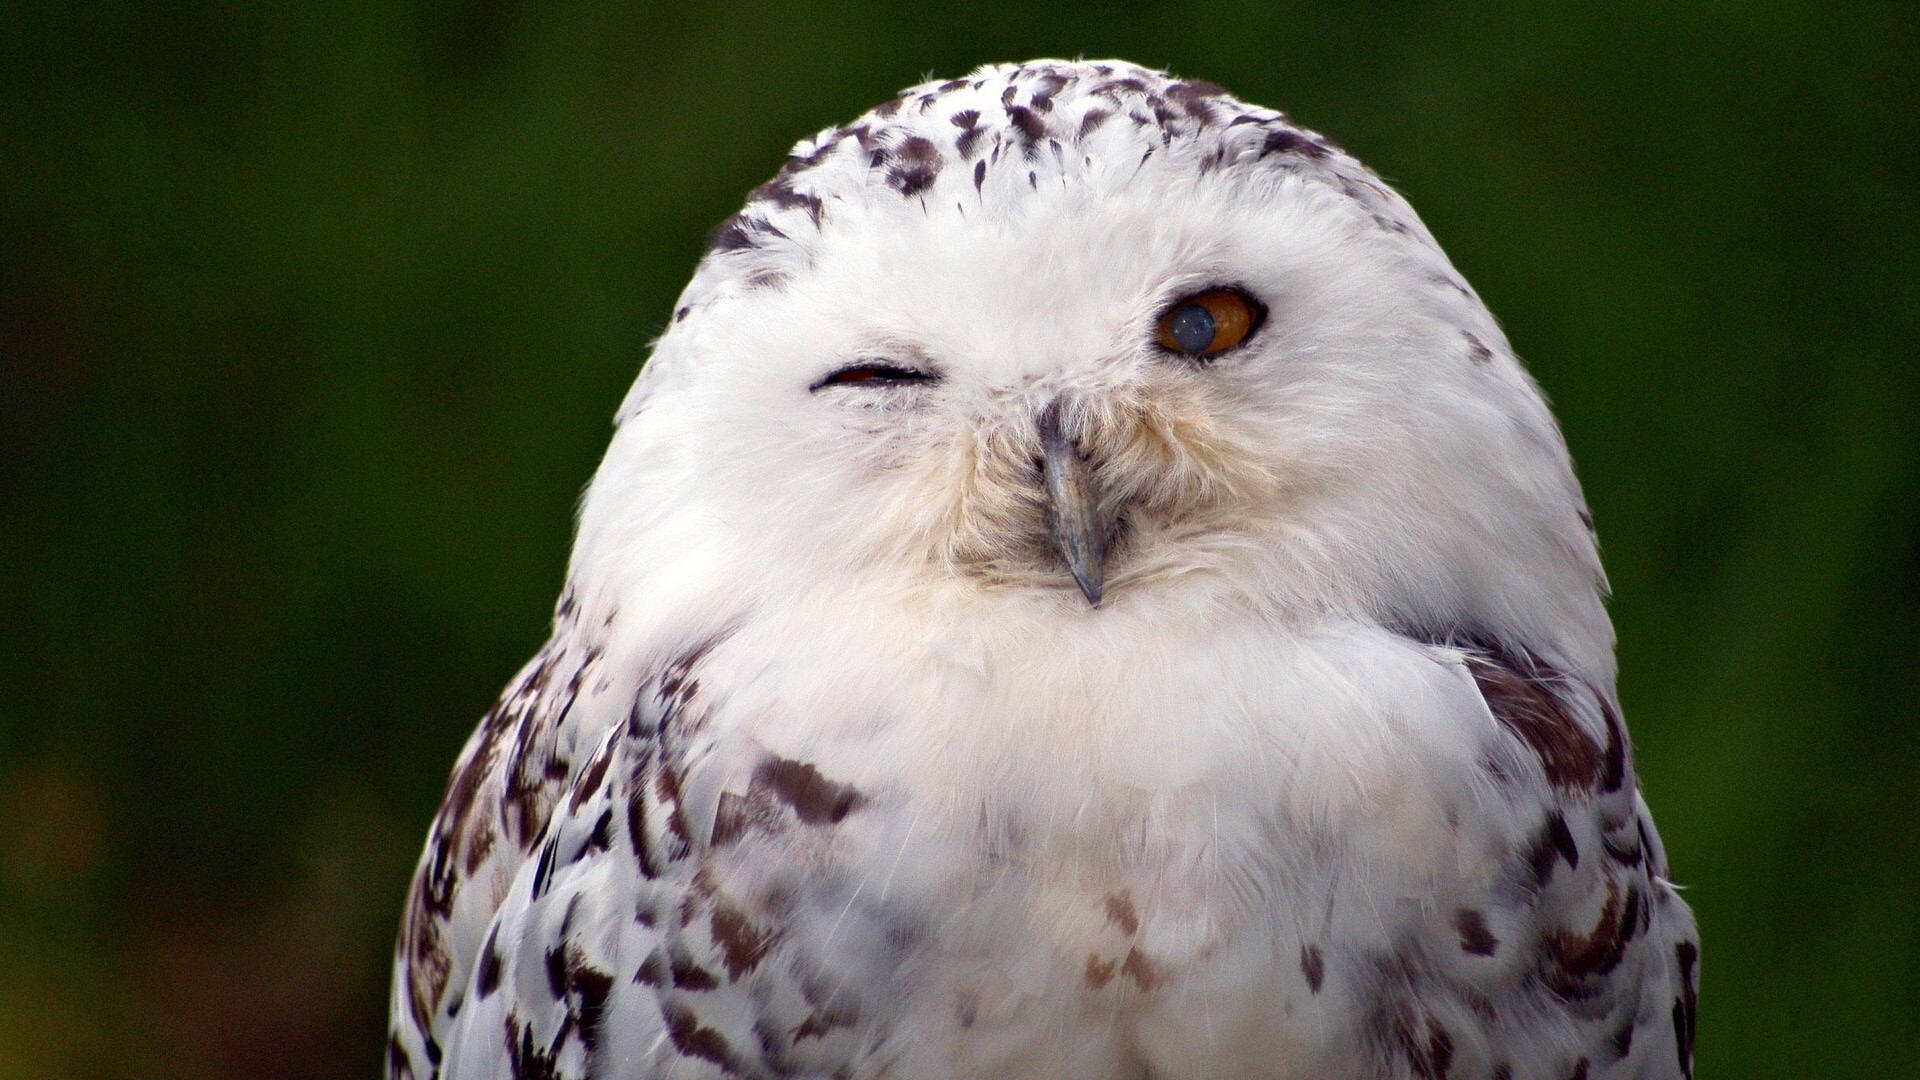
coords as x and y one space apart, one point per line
1081 589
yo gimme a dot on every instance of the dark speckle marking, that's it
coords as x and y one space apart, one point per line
1579 1070
1524 695
688 975
590 989
681 313
979 174
653 970
524 1060
556 972
1474 935
1093 119
916 163
968 121
1313 966
1432 1057
1576 957
1476 349
1555 842
815 799
543 870
1099 972
1145 973
1613 764
1289 141
1623 1039
1121 912
1686 1006
695 1040
742 944
487 975
1029 126
732 235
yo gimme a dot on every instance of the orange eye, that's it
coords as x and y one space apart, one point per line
1209 323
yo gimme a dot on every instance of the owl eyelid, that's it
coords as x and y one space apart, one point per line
878 373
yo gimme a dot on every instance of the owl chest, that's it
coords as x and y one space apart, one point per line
1005 948
1170 878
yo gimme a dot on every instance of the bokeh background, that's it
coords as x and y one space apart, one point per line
313 318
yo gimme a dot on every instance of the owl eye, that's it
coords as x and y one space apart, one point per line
1209 323
874 373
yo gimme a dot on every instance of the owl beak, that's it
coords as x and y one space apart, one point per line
1076 526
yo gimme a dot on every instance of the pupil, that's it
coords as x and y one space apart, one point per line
1191 328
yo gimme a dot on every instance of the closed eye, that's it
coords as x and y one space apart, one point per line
875 374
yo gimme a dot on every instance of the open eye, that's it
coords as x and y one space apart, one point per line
1209 323
874 373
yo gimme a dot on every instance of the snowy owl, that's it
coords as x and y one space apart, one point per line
1081 589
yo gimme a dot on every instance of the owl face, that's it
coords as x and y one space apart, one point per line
1074 335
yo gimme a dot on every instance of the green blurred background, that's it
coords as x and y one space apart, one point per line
313 319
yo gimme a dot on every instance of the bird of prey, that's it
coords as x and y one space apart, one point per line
1082 588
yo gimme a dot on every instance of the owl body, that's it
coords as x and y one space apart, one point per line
848 759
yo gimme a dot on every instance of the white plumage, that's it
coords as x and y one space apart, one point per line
958 677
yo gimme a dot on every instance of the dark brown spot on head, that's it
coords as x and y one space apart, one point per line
781 192
1121 912
1029 126
911 180
732 235
1289 141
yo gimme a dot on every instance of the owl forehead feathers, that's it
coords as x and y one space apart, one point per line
989 141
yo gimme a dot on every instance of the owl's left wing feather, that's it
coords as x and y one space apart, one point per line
508 778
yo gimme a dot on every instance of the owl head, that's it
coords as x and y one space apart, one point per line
1083 341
